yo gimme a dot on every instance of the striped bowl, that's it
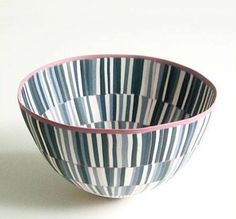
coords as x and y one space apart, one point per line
116 125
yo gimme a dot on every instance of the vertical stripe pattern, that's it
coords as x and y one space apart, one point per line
116 93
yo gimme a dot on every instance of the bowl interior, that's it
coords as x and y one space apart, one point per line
116 92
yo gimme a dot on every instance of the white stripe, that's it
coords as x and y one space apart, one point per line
49 115
50 85
129 81
102 176
144 174
117 107
58 113
92 175
63 146
173 109
151 174
122 75
74 112
124 109
56 85
196 100
156 73
183 140
55 115
94 108
145 77
107 106
147 114
42 138
119 150
99 147
119 191
150 114
129 151
196 133
111 75
139 109
163 112
139 149
79 78
39 92
187 91
115 176
131 107
73 80
71 116
87 188
29 121
90 149
178 88
86 102
74 176
166 83
35 110
156 146
105 75
53 163
27 97
59 145
71 147
167 144
206 100
209 100
176 142
128 176
112 191
200 106
67 80
110 147
98 76
127 125
45 89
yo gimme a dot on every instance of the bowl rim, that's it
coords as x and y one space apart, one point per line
110 130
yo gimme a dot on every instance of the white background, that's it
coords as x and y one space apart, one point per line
199 34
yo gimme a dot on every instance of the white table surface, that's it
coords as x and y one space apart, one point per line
199 34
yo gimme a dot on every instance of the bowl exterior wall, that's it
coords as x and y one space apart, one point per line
116 165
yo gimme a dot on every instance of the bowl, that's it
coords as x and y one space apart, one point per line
116 125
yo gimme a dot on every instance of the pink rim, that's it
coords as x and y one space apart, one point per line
119 131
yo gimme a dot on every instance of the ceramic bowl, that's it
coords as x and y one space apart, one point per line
116 125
